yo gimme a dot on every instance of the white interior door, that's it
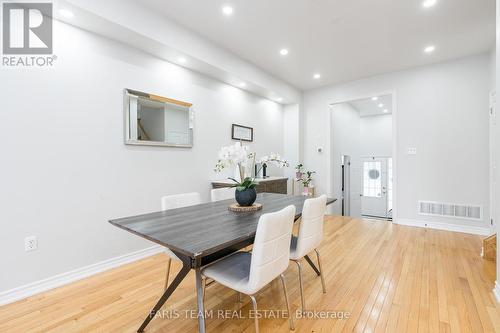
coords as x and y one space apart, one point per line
374 193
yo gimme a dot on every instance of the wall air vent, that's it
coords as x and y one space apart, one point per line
432 208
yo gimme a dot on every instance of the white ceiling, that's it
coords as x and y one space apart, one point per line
342 40
368 107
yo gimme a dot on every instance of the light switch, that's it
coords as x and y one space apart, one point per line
412 151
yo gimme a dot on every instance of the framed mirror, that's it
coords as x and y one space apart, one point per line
153 120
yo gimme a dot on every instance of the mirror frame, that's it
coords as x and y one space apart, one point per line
136 93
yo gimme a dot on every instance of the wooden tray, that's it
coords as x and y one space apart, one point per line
237 208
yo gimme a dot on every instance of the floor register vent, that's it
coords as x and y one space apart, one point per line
433 208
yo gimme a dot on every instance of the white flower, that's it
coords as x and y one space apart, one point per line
274 159
238 155
231 155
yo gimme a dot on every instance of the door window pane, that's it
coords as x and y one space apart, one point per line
372 179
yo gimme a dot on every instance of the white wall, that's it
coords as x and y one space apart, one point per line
345 141
442 110
291 139
73 172
376 136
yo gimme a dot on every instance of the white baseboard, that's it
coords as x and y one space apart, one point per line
37 287
496 291
484 231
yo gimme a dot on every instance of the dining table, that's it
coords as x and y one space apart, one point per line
201 234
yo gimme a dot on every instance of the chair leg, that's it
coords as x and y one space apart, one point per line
256 319
321 270
169 263
290 316
302 300
204 287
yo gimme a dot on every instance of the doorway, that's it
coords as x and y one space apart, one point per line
361 159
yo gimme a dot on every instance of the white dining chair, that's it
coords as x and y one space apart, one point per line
219 194
309 238
172 202
248 273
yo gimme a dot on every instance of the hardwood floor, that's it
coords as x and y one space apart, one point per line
387 277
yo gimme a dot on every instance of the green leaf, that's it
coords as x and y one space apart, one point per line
234 180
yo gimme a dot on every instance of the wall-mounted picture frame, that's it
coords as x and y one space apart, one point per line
243 133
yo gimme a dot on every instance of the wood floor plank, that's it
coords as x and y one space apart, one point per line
383 277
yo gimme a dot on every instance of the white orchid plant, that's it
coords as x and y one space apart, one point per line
237 155
274 159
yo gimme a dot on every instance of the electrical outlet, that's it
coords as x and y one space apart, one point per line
30 243
412 151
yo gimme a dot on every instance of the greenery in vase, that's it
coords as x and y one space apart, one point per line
307 178
246 184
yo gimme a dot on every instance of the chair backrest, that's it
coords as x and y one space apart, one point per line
311 225
226 193
271 248
180 200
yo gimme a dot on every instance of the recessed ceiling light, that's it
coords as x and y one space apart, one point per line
243 84
66 13
430 49
182 60
227 10
283 52
317 76
381 105
385 111
279 99
374 98
429 3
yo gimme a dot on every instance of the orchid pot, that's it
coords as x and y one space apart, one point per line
308 190
246 197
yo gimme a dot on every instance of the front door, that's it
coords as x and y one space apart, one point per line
374 191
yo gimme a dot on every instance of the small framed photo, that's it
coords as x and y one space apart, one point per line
243 133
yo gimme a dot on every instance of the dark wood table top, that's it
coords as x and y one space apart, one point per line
201 230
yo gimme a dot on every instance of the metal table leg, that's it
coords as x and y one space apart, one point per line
201 308
186 267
